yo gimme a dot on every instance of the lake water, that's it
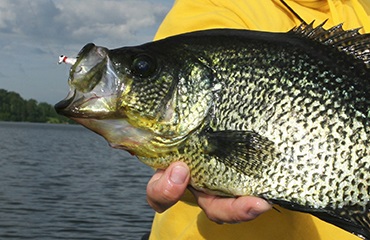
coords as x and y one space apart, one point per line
65 182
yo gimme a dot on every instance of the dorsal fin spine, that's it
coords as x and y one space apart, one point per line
351 41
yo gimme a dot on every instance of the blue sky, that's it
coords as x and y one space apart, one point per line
33 33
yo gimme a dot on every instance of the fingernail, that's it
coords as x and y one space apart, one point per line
261 207
179 174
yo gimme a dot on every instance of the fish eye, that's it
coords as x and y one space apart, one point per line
143 65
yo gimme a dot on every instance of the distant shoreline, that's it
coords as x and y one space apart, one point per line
16 109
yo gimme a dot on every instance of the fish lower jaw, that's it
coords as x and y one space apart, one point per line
120 134
139 149
93 106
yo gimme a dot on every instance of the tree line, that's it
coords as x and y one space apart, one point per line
14 108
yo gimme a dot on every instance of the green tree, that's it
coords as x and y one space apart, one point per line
14 108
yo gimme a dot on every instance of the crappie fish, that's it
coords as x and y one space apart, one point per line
281 116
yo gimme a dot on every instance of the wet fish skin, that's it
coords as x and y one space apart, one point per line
283 116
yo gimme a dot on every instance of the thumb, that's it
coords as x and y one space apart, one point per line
166 187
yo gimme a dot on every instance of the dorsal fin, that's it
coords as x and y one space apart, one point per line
351 42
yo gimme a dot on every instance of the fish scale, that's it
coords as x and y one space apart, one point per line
282 116
279 119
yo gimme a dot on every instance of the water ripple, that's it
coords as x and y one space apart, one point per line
64 182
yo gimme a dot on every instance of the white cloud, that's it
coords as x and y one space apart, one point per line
114 21
6 15
33 33
72 21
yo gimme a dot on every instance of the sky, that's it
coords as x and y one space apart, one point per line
34 33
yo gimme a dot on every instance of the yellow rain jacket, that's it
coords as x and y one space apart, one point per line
186 220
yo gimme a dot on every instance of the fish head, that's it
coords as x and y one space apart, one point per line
131 97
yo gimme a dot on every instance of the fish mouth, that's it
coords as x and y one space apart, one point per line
62 105
93 83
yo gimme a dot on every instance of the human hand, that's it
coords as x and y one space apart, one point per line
166 187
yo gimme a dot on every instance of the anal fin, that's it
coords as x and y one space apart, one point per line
354 219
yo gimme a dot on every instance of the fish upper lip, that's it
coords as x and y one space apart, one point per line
92 79
87 72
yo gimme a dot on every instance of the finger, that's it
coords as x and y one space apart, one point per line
231 210
166 187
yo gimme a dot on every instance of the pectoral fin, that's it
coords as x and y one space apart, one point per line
249 152
246 151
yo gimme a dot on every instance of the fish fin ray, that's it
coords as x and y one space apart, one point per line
348 223
352 42
246 151
354 220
